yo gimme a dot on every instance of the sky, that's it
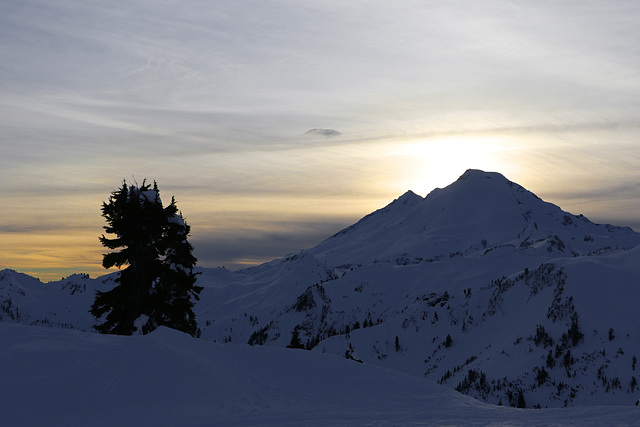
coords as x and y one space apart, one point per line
213 100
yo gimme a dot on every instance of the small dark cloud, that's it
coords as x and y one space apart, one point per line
324 132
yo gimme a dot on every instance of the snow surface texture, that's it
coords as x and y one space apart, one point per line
480 286
57 377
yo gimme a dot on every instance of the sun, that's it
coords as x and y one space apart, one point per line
425 164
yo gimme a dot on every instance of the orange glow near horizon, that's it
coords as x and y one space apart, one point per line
51 256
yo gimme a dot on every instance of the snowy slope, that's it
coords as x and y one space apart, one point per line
64 303
492 319
480 286
58 377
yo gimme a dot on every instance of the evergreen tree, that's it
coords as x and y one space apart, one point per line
172 303
551 362
448 342
521 402
156 287
542 376
295 338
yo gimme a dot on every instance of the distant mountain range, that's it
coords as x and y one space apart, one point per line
480 286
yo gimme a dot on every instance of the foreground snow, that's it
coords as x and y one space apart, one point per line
62 377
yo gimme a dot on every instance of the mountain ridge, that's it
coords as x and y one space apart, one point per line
477 203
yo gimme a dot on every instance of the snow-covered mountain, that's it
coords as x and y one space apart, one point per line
480 286
478 212
61 304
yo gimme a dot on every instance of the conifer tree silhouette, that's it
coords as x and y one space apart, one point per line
158 283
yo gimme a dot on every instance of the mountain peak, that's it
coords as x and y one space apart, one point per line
479 211
479 177
408 198
477 174
476 187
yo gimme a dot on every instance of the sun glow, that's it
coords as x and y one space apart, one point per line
430 163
